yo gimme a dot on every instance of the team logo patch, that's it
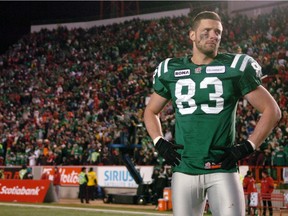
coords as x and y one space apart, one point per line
181 73
215 69
211 165
198 70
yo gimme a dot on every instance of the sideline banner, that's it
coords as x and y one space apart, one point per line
24 190
107 176
119 176
69 175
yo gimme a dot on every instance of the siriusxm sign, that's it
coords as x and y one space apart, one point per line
119 176
115 175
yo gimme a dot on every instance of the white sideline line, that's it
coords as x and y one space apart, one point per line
83 209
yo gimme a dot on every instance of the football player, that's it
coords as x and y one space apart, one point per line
204 89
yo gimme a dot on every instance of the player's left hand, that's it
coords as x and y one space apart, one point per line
235 153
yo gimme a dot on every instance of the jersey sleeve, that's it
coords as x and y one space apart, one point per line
252 73
160 85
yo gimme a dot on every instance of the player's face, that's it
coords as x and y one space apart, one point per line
206 38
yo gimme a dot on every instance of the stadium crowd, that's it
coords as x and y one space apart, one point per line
67 94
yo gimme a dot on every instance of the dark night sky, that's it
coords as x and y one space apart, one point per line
17 16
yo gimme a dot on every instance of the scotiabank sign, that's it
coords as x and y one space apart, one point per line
23 190
69 175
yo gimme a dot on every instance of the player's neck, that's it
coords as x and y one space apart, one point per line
202 59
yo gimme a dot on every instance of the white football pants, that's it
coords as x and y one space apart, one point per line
223 190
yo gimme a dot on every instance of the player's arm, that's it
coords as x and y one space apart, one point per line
264 103
152 122
151 115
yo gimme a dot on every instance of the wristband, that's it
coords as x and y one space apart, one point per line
156 139
252 144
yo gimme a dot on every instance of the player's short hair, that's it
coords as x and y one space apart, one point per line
204 15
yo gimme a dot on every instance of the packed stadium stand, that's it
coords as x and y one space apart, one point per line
67 94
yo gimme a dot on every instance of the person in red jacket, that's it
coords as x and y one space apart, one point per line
249 186
56 181
267 187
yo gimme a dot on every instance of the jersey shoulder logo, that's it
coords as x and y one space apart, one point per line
215 69
181 73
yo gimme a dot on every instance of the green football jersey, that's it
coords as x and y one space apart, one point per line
205 99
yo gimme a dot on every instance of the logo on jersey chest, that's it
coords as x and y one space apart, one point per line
181 73
215 69
198 70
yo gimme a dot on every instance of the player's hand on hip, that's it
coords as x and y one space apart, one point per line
169 152
235 153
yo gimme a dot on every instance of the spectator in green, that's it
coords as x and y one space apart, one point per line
1 150
28 174
95 157
2 174
280 157
1 154
23 171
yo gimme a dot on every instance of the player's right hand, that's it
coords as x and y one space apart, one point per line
168 151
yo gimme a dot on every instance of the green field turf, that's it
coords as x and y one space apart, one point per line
15 209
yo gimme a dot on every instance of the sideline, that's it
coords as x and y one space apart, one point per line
84 209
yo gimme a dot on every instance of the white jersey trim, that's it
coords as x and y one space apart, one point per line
166 65
244 63
235 61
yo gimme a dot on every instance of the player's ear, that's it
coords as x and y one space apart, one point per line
192 35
